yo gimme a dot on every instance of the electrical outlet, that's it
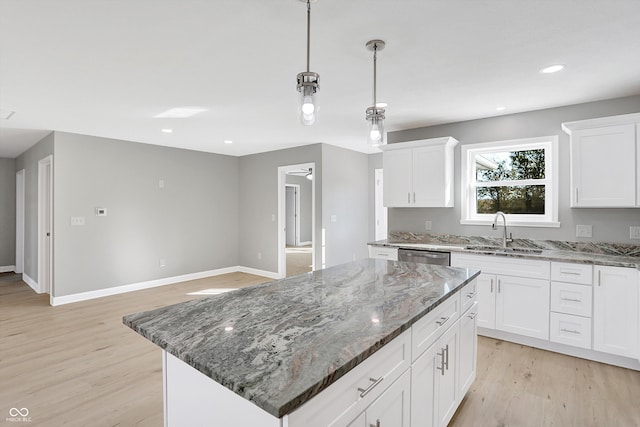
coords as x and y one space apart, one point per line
634 232
259 255
334 218
77 220
584 231
162 263
427 225
273 217
161 183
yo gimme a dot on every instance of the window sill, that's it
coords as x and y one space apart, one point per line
512 223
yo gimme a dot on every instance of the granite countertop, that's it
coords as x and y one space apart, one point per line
600 253
280 343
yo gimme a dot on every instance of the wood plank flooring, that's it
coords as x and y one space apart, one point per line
77 365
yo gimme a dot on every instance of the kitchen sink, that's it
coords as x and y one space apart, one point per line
504 250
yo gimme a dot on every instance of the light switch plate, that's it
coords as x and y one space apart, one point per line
334 218
634 232
584 231
427 225
77 220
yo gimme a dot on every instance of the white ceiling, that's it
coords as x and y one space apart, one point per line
106 67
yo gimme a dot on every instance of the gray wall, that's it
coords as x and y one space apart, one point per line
610 225
29 162
191 223
7 212
345 195
306 205
259 201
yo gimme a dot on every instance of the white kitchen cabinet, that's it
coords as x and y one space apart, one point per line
392 408
383 252
513 293
419 173
434 388
615 311
604 162
467 350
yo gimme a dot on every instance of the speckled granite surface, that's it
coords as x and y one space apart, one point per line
612 254
280 343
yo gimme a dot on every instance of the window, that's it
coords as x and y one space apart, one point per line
516 177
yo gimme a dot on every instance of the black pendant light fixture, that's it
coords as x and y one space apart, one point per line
375 113
308 82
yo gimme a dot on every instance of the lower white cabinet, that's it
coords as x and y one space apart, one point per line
486 300
391 409
383 252
615 311
522 306
570 329
467 350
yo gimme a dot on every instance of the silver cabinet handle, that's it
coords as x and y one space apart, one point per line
472 315
408 197
383 255
499 287
442 321
414 197
571 299
570 331
471 295
441 367
576 195
599 282
446 363
365 391
376 425
572 273
491 285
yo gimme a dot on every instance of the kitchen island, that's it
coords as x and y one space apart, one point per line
293 346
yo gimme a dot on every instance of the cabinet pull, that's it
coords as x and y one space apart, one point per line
598 277
571 299
383 254
376 425
572 273
576 195
442 321
414 197
499 287
408 197
471 295
365 391
441 367
472 315
446 363
570 331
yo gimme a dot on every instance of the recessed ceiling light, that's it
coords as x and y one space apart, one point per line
180 113
166 130
552 69
501 108
6 114
228 141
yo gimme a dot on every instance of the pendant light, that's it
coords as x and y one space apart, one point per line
308 82
375 114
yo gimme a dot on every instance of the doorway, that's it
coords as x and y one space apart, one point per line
380 209
20 221
45 215
296 219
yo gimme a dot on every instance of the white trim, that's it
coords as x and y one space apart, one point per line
46 284
32 283
305 243
8 269
600 122
165 401
20 210
256 272
296 195
551 181
83 296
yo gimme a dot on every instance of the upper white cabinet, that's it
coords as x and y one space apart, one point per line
419 173
604 161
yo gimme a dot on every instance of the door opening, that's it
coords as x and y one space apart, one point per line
380 210
20 221
45 215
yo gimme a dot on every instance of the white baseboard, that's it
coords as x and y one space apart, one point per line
8 269
83 296
32 283
255 271
305 244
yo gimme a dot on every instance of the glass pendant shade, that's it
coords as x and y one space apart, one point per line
375 119
308 97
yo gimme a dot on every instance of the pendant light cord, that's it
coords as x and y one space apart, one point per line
375 58
308 32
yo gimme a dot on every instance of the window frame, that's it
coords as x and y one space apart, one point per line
469 215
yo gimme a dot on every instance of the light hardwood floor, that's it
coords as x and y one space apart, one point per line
77 365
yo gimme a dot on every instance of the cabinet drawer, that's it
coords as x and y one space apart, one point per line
572 273
383 252
468 296
571 330
505 265
428 329
571 299
359 388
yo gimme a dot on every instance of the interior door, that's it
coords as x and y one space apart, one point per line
290 203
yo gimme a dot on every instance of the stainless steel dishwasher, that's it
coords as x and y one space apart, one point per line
424 256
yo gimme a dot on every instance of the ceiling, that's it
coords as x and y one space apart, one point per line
107 67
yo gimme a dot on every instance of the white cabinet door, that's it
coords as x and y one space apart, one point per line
486 300
467 350
603 167
392 408
361 421
615 311
398 178
423 387
432 184
522 306
447 383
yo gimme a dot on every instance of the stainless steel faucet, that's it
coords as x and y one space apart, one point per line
505 240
